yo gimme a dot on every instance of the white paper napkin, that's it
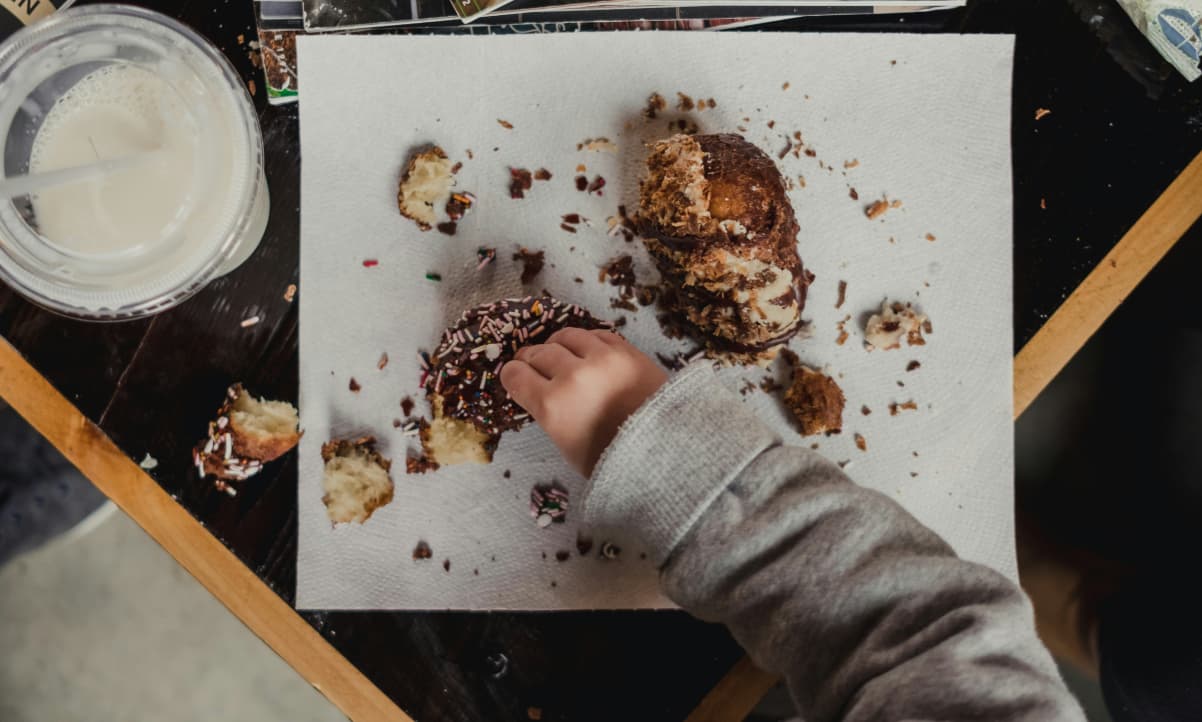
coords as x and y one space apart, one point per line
921 119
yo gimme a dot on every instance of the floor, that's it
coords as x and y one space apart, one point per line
106 626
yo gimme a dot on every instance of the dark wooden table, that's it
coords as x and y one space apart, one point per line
1104 187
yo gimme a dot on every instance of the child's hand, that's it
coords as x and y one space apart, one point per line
580 386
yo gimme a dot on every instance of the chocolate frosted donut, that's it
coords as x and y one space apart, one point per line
715 216
471 408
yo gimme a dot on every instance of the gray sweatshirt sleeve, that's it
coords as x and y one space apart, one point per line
867 614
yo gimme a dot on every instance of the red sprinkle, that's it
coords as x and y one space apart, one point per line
370 262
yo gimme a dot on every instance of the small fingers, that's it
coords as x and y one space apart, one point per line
549 359
610 338
576 340
525 385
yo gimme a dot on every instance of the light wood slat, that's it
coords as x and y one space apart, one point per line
214 566
735 695
1111 281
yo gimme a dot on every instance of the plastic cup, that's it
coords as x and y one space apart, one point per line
101 82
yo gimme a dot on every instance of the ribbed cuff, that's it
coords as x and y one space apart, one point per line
672 458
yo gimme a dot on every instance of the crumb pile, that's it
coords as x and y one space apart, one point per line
716 218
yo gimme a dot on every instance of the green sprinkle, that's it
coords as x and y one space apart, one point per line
432 276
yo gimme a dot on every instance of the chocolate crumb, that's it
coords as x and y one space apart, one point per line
852 192
865 410
688 127
407 406
683 102
520 181
578 279
842 294
354 385
771 124
420 464
770 385
566 227
532 263
913 474
507 474
581 183
542 174
458 205
815 401
861 444
505 124
747 387
446 565
457 167
912 365
655 103
475 572
583 544
713 103
785 86
449 227
562 555
422 551
620 273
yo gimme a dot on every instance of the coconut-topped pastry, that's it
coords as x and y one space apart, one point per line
715 216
